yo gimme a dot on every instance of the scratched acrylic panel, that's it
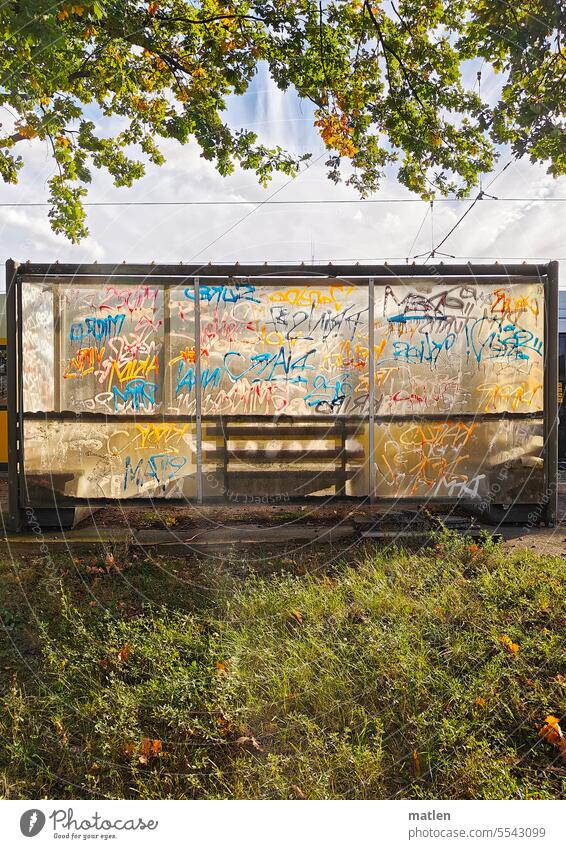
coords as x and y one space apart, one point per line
292 349
459 347
109 460
111 348
497 460
38 347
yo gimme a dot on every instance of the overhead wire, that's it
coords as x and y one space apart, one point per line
259 205
480 196
302 202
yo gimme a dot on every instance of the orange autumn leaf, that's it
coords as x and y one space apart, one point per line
416 763
124 653
152 8
508 644
336 133
552 732
221 668
26 131
297 616
473 548
148 750
479 702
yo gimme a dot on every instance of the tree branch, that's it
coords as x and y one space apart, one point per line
388 49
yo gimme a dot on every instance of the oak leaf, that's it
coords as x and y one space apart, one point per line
552 732
508 644
149 750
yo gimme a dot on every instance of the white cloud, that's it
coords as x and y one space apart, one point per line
283 232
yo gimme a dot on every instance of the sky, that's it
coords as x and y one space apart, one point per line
283 232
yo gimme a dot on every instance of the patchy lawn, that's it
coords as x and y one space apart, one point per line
354 673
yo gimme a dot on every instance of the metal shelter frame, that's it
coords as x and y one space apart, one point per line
17 274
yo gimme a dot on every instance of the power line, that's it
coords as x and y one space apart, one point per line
313 201
418 233
256 207
479 197
389 259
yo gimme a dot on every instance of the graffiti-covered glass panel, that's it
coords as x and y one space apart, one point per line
39 374
293 349
180 375
110 460
499 461
259 389
111 348
459 347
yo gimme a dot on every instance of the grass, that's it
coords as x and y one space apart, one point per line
361 673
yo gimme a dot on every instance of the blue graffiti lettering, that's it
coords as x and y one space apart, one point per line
158 468
98 328
505 341
223 294
188 379
138 394
428 351
322 395
265 366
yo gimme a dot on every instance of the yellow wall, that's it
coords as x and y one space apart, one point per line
3 424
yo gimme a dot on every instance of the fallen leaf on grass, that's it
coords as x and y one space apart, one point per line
479 702
297 616
148 750
297 791
508 644
109 561
249 741
552 732
473 548
124 653
416 763
221 668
